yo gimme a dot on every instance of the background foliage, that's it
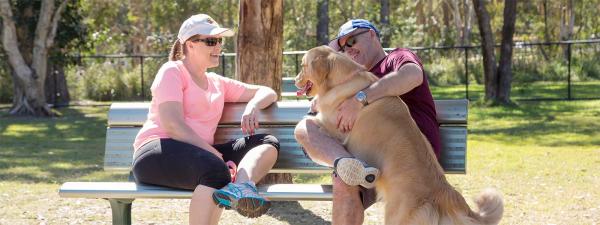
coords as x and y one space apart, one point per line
141 27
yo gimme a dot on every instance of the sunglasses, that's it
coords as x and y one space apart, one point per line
351 41
211 41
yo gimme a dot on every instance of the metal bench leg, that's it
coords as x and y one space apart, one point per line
121 211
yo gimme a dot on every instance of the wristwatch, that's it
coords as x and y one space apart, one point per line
361 97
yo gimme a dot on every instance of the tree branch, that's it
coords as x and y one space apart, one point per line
11 44
55 19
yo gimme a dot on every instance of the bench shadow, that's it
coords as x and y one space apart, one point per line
293 213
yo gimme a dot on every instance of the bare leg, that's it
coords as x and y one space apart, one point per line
256 163
347 205
320 147
202 210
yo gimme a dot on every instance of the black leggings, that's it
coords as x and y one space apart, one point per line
176 164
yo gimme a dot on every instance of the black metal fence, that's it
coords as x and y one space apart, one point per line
566 70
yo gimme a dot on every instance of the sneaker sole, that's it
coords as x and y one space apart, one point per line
252 207
248 207
353 172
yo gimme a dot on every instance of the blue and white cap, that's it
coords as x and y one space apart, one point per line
350 26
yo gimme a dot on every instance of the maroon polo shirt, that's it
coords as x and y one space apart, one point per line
419 100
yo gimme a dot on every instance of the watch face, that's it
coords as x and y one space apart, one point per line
361 97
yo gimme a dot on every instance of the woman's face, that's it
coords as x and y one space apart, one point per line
204 50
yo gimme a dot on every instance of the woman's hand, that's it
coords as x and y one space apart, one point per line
347 113
249 121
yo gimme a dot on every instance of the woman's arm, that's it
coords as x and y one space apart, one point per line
171 118
258 97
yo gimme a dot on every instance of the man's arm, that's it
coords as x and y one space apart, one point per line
396 83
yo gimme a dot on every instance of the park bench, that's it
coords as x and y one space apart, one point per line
125 119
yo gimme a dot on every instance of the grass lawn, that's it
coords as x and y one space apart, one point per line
541 155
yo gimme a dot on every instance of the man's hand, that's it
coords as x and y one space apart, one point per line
347 113
249 121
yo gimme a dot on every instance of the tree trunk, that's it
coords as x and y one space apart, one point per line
566 25
452 11
505 65
323 22
57 92
29 79
259 51
466 32
487 48
546 32
384 15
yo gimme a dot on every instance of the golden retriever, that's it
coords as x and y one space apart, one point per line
412 183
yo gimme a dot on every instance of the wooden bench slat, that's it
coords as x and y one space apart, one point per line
131 190
119 149
287 112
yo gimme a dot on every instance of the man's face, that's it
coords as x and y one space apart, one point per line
356 45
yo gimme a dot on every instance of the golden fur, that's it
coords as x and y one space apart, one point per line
412 183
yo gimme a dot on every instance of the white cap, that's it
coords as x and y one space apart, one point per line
201 24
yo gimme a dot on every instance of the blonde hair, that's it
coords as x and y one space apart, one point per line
176 51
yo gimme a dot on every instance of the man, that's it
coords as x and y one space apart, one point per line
401 74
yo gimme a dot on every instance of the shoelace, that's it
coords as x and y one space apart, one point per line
235 190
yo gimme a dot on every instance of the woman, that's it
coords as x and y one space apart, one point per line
175 146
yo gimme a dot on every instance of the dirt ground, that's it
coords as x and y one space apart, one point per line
40 204
51 209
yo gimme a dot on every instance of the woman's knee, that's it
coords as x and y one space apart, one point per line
271 140
216 178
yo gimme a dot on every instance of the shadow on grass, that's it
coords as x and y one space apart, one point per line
294 213
53 150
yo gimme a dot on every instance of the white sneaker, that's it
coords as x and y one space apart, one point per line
355 172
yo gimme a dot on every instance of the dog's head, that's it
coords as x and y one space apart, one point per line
323 68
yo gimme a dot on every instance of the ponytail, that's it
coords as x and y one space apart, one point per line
176 51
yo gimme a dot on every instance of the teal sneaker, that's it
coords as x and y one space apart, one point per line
244 198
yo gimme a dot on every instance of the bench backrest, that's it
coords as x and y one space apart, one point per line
280 119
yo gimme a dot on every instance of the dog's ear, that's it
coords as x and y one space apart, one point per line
320 67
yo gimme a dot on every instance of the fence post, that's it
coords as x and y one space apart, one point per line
569 71
296 62
466 73
142 77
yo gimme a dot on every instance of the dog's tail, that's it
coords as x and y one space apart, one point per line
490 206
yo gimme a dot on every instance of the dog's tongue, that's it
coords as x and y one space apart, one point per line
305 89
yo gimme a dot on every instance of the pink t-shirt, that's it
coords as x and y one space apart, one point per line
202 109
